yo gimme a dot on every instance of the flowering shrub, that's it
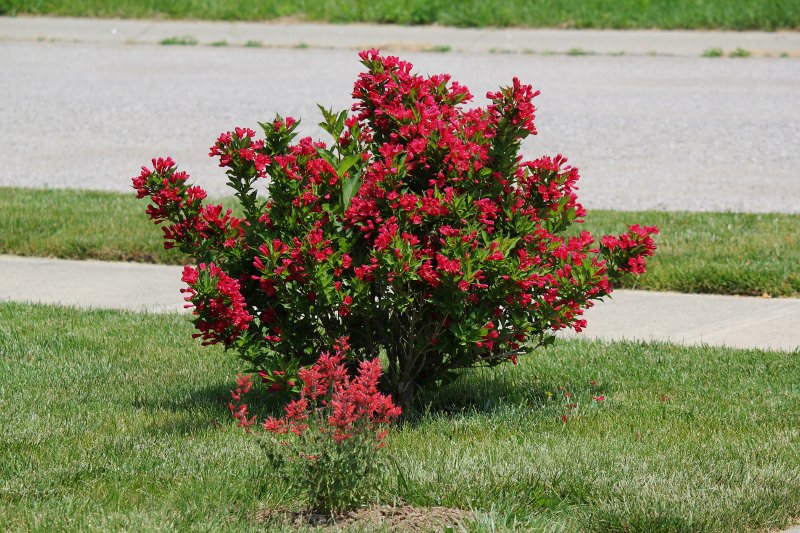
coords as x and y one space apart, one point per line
325 446
419 232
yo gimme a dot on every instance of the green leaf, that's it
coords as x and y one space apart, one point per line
327 114
328 156
347 163
340 121
349 188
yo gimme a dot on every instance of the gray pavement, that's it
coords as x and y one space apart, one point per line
91 284
735 321
647 132
682 318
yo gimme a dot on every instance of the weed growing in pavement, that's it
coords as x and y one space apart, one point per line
713 52
440 48
186 40
579 52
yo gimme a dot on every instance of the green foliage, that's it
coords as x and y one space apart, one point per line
713 52
339 478
578 52
666 14
186 40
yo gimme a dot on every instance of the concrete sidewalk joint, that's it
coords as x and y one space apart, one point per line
395 38
740 322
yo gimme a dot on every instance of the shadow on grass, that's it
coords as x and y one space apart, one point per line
487 391
207 407
481 391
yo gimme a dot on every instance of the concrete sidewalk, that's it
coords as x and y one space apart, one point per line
392 37
682 318
91 284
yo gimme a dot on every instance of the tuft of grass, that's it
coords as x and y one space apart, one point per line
664 14
254 44
723 253
219 43
579 52
739 52
186 40
439 48
713 52
114 420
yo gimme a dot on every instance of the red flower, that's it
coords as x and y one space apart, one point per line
222 314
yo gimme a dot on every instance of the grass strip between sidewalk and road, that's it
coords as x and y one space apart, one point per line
112 420
664 14
720 253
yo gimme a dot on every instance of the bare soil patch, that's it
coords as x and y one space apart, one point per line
383 517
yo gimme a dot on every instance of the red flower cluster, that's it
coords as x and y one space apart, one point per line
627 251
239 410
179 208
218 304
337 405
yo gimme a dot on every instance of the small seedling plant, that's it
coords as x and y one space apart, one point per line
326 445
418 231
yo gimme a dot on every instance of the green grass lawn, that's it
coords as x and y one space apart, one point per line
80 225
724 253
112 420
667 14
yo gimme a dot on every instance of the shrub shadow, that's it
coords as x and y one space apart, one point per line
207 407
488 391
475 391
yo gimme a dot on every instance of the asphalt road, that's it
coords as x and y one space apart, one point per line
646 132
